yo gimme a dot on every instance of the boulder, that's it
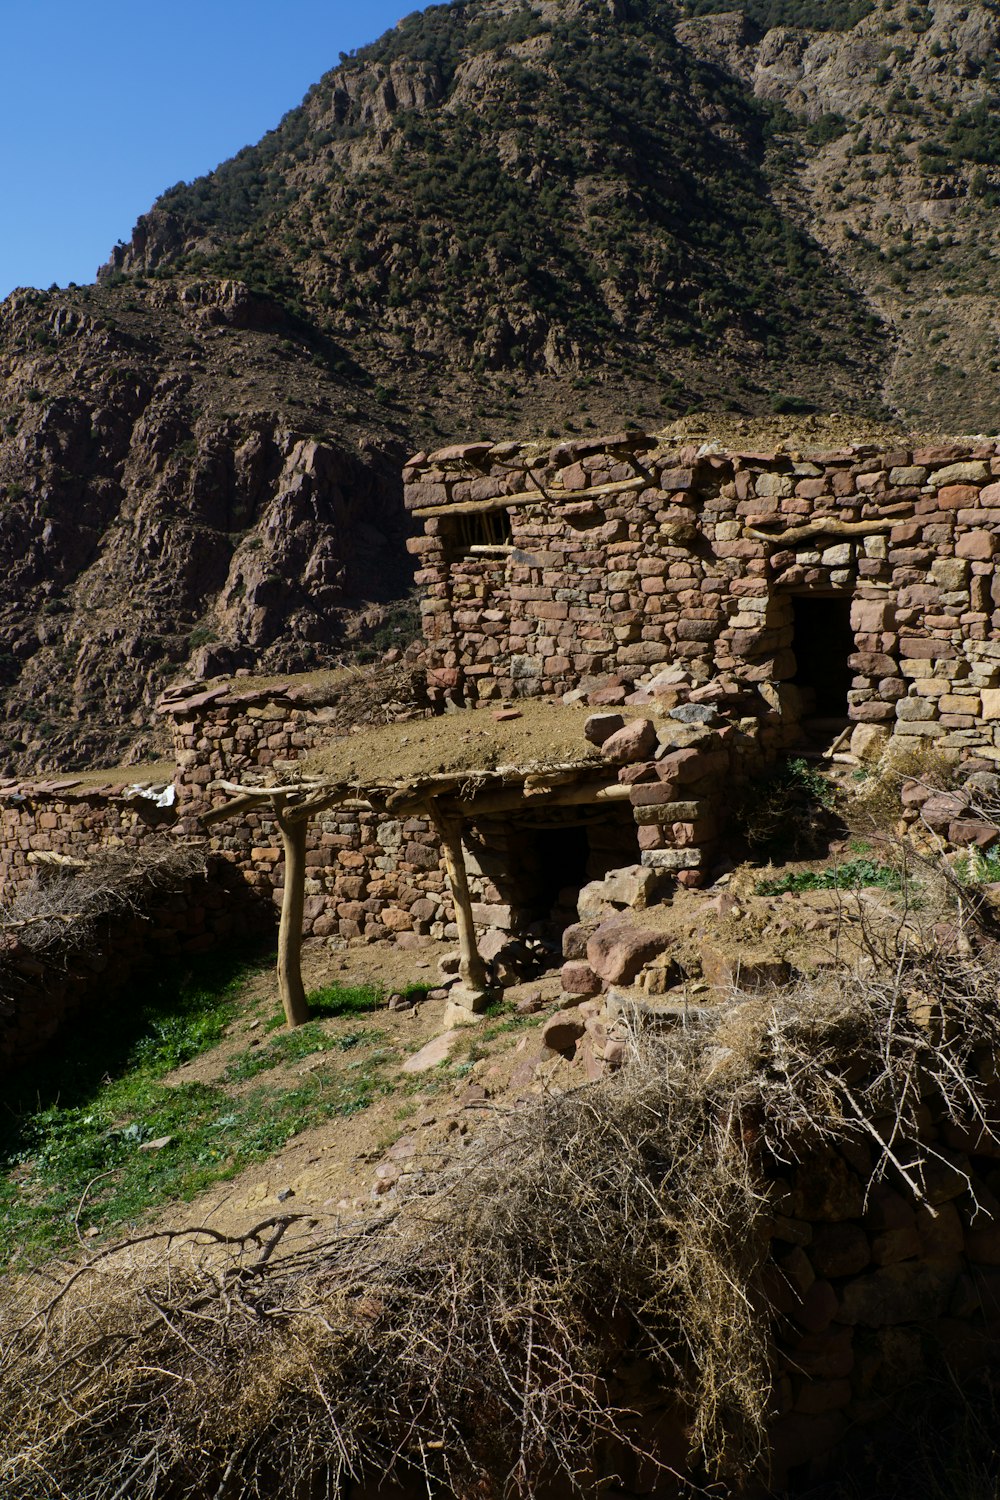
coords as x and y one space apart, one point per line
431 1055
574 941
578 978
618 949
742 971
972 831
631 886
695 713
635 742
941 810
600 727
562 1031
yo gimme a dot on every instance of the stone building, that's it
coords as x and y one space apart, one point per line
822 589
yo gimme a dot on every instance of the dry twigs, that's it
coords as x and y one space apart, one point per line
61 912
476 1336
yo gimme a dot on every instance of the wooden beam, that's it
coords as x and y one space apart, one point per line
833 527
471 968
529 497
585 795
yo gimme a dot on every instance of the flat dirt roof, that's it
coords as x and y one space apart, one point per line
544 734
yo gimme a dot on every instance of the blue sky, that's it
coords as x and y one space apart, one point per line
102 107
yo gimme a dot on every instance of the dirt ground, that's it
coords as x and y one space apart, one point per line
543 733
348 1166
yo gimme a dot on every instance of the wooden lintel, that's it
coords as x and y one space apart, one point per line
528 497
583 794
832 527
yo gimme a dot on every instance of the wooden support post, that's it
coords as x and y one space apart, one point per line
290 987
471 968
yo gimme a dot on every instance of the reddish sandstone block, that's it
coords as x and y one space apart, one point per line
578 978
618 949
954 496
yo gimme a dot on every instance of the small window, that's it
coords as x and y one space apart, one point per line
486 533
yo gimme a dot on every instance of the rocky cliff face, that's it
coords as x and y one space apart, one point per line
898 127
500 217
171 503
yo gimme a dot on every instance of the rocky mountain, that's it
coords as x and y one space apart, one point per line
502 217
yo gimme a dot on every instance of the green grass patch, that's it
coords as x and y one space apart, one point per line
73 1129
850 876
292 1045
336 1000
978 866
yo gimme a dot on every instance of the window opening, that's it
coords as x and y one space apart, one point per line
481 534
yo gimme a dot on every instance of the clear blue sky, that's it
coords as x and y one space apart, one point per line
103 106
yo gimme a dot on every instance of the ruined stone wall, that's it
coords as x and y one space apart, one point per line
367 878
67 819
879 1288
623 556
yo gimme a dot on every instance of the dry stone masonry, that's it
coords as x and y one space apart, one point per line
855 584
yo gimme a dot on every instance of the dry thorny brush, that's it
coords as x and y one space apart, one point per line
474 1335
63 909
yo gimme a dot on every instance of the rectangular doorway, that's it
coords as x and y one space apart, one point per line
823 642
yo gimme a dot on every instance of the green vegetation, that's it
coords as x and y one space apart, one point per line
851 876
785 811
399 626
291 1046
643 222
978 866
72 1139
813 15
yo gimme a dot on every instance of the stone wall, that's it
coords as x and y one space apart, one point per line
40 990
68 819
878 1289
544 568
368 878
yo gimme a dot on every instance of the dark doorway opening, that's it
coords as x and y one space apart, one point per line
531 867
823 641
554 867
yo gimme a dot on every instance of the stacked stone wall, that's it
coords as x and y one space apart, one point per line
367 878
71 821
40 990
624 556
876 1289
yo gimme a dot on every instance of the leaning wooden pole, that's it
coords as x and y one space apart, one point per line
294 832
471 968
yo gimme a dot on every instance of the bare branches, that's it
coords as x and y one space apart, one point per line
470 1338
61 911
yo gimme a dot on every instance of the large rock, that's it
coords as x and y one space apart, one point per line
600 727
574 941
432 1054
635 742
618 949
941 809
630 886
562 1031
578 978
741 970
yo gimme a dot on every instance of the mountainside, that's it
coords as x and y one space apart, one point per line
500 217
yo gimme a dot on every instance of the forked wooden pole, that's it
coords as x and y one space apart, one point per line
471 968
294 832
